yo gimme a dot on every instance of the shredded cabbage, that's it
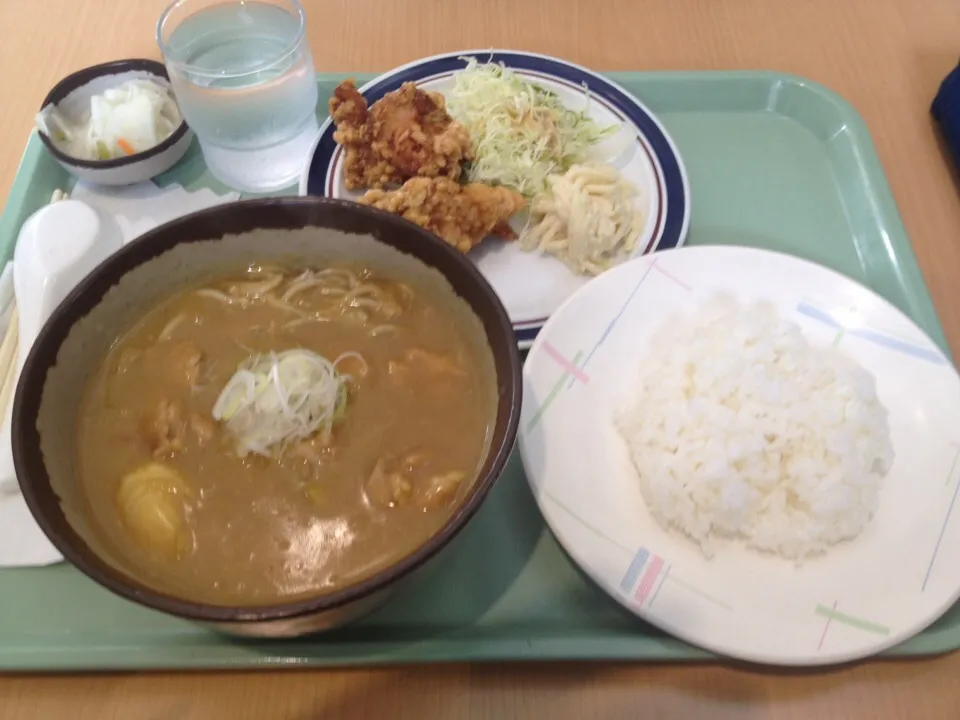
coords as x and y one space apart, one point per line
277 398
522 133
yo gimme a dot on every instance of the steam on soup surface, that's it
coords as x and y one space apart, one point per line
280 432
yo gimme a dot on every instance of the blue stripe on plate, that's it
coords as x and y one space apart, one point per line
887 341
526 336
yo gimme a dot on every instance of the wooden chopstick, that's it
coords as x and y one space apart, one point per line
6 392
8 356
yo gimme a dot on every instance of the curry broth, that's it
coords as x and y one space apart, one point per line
318 514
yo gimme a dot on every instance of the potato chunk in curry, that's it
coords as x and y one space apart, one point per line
152 504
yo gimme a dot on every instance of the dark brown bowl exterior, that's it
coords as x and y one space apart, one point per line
305 615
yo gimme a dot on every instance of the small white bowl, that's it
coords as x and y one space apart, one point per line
72 98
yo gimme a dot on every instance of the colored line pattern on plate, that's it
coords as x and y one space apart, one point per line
596 531
666 576
832 614
640 579
943 528
826 628
671 276
570 367
645 567
616 318
606 333
636 565
649 579
551 396
888 341
697 591
953 465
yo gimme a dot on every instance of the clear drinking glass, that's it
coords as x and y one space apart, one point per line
245 83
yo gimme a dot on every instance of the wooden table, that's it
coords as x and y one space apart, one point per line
886 56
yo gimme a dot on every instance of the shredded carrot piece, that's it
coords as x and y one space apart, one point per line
125 146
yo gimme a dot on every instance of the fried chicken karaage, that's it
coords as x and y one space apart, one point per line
407 133
462 215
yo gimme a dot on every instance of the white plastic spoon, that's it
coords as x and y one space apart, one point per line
58 246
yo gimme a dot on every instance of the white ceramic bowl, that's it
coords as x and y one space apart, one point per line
72 98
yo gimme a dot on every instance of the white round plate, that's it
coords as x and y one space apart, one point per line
532 286
861 597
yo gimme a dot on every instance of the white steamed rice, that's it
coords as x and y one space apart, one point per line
739 428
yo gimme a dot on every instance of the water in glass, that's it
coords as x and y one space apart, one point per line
244 80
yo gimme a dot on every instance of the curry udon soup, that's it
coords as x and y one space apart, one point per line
281 432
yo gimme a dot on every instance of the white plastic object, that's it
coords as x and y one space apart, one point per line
58 246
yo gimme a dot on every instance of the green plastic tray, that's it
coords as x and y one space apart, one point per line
775 162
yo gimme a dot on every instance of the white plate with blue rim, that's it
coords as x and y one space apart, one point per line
532 286
859 597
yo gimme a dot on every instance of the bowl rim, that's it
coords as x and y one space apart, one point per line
148 247
78 79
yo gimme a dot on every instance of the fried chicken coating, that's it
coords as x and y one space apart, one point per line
463 215
407 133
